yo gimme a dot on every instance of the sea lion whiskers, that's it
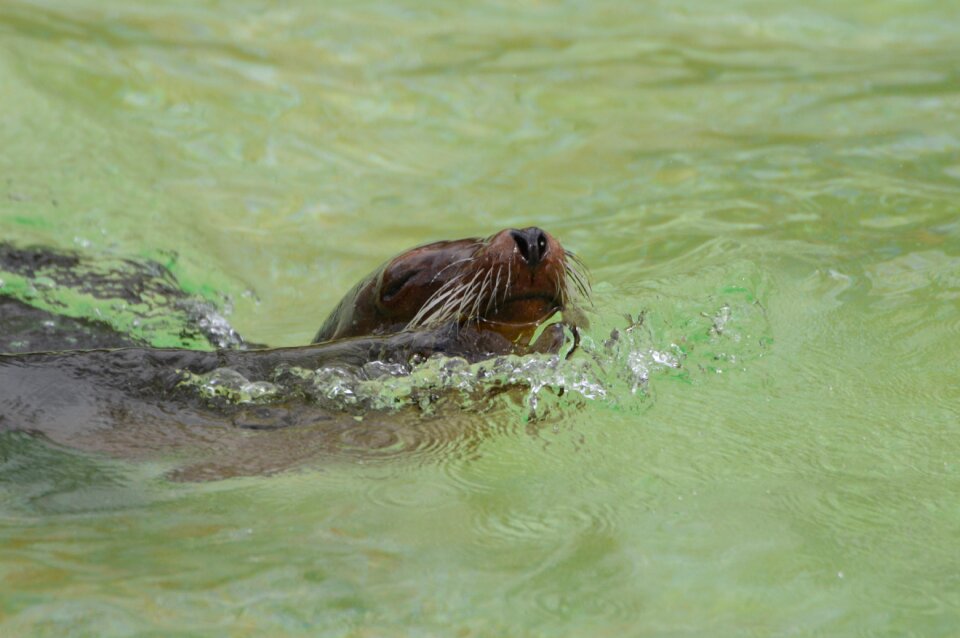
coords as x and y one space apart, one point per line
575 263
453 308
582 281
575 287
475 308
443 294
451 265
577 280
450 301
471 295
440 298
496 286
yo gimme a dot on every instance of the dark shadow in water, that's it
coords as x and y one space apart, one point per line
134 403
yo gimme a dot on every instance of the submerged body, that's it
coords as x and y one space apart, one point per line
469 298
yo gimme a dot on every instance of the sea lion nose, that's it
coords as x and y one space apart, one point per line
532 243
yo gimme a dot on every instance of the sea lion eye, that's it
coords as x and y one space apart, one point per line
396 285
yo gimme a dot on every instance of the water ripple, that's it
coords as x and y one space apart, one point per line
505 528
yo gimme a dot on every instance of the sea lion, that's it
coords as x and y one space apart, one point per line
506 285
470 298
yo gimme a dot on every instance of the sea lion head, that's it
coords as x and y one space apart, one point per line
509 283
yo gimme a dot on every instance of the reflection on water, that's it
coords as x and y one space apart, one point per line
772 188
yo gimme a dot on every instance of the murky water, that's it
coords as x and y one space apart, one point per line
775 188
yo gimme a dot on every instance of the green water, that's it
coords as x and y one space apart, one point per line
799 165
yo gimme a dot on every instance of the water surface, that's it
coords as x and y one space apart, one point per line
793 173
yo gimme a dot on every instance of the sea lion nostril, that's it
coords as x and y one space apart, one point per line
541 243
532 243
522 244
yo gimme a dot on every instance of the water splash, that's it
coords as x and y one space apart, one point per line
617 371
